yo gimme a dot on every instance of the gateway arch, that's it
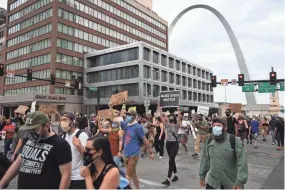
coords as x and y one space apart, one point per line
250 98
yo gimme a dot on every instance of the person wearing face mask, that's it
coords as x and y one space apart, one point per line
231 122
172 143
224 160
100 170
77 139
133 139
82 121
45 159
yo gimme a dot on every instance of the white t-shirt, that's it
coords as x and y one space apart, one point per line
77 158
184 124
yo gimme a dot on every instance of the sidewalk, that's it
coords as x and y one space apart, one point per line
275 180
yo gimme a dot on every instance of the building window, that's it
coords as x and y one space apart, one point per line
177 65
195 96
164 88
184 81
189 69
189 82
146 72
164 76
155 57
61 90
183 67
146 54
115 57
156 90
199 85
156 74
171 63
178 80
190 96
184 94
26 90
194 83
163 60
113 74
194 71
171 78
199 97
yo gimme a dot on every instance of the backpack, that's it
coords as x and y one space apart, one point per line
124 183
232 142
5 163
77 134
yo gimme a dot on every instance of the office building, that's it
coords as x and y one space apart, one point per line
144 70
51 37
147 3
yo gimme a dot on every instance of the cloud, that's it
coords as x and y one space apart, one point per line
200 38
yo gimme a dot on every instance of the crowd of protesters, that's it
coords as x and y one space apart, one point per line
103 153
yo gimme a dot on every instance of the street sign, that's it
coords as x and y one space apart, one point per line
234 82
224 82
281 86
248 88
265 87
93 88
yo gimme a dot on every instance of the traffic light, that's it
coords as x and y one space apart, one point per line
29 75
273 78
1 70
214 81
52 79
76 84
241 79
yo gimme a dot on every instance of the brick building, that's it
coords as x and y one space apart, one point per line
51 37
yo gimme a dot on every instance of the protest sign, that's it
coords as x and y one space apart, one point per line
21 109
48 109
203 110
119 98
236 108
103 114
33 106
169 99
132 108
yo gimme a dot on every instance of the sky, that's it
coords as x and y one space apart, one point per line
199 37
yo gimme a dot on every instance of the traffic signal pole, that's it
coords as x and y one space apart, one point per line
252 81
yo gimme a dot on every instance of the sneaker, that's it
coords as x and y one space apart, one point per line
157 154
273 143
247 142
160 157
250 142
174 179
195 155
278 148
166 182
255 146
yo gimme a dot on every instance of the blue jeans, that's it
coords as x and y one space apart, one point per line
117 161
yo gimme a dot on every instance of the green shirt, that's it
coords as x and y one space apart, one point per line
225 167
202 124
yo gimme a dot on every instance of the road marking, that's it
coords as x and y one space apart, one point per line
152 183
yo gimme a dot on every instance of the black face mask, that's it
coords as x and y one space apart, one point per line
87 158
37 136
228 114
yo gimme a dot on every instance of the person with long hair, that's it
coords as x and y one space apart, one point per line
99 170
279 133
159 138
172 125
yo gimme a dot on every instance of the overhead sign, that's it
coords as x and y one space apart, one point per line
92 88
265 87
234 82
280 86
224 82
248 88
119 98
203 110
169 99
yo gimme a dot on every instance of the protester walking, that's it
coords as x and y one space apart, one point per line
172 125
159 138
279 133
8 129
202 126
254 130
226 169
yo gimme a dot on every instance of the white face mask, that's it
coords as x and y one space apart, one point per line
65 126
217 130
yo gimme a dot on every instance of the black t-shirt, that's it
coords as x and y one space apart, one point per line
231 125
41 161
280 126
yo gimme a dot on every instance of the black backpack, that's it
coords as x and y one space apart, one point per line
76 135
5 163
232 142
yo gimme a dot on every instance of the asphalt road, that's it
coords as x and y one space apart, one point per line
266 169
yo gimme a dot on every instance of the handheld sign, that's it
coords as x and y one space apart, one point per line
119 98
169 99
203 110
103 114
21 109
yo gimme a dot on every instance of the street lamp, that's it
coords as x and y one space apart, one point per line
146 99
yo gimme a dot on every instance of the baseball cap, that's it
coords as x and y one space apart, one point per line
69 115
35 120
132 112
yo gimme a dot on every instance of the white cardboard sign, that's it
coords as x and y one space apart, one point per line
203 110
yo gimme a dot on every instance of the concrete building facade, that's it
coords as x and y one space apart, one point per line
144 70
52 36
